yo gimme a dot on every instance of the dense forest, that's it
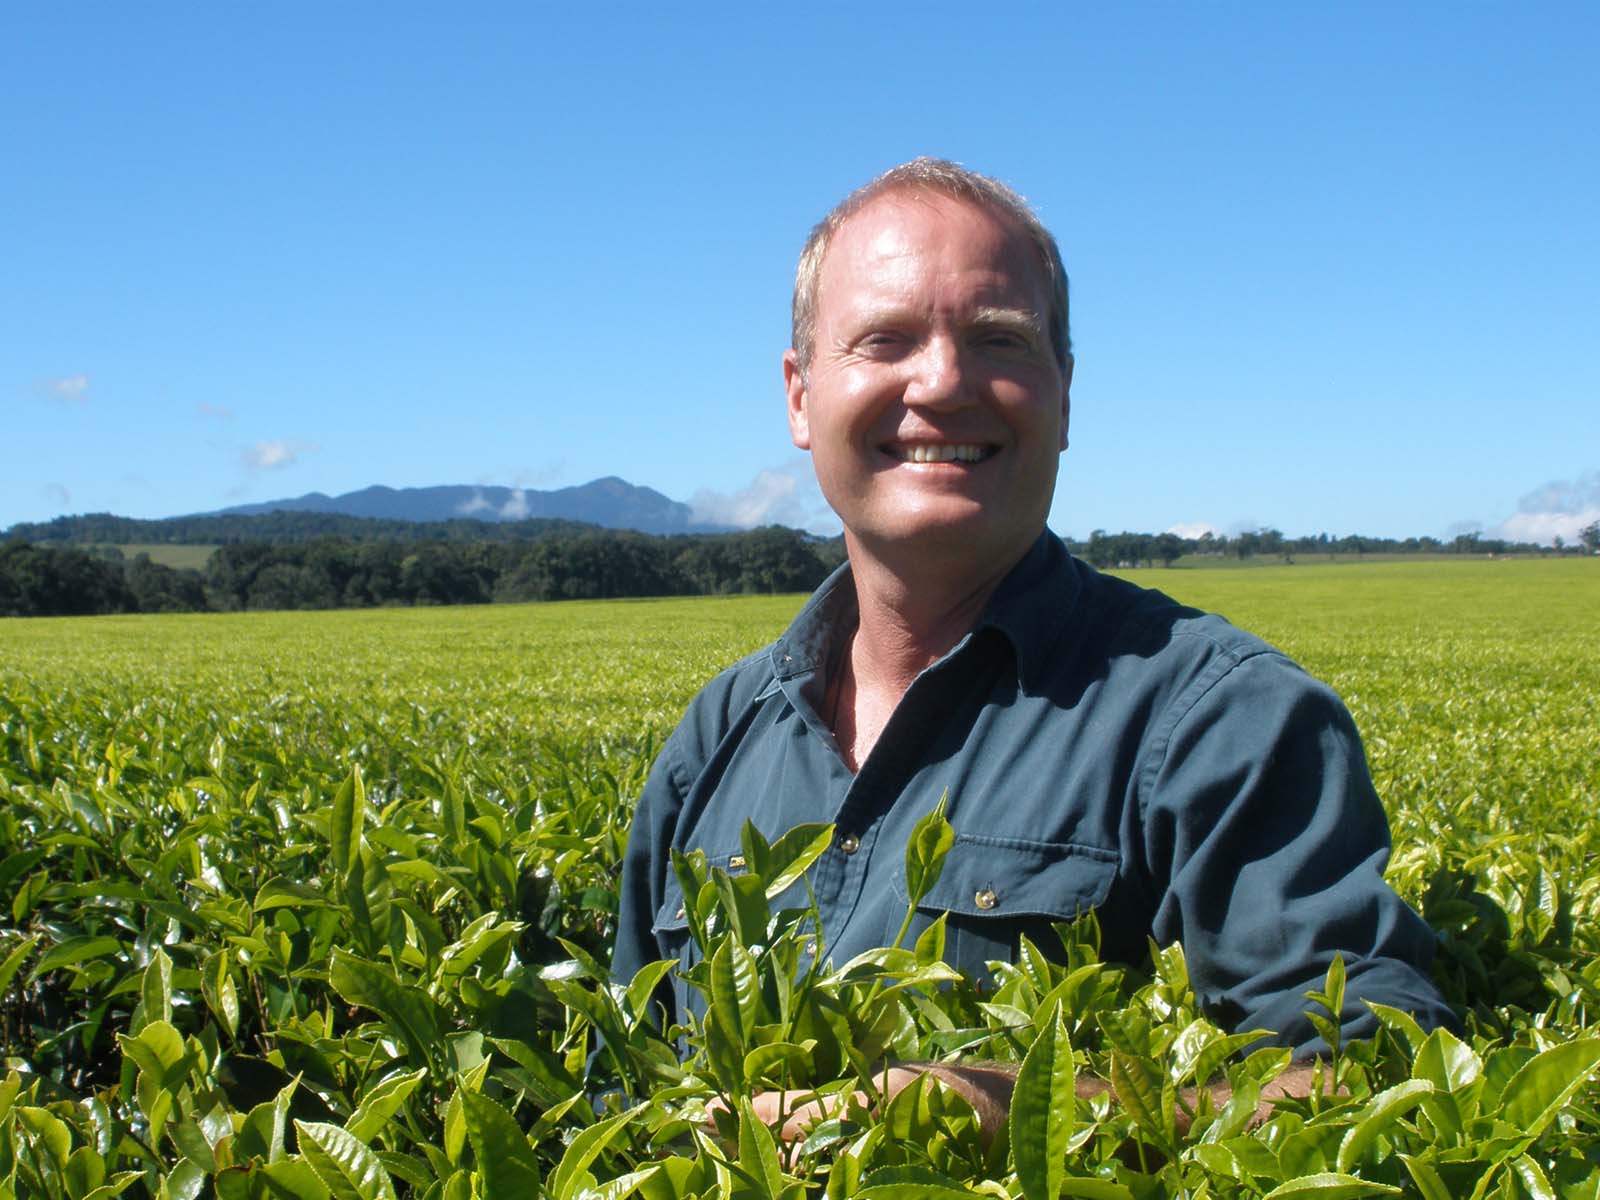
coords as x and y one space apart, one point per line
72 565
44 579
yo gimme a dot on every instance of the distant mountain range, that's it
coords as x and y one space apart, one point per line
610 502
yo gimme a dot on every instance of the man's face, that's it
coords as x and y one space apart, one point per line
933 409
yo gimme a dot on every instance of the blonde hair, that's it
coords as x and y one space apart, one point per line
949 179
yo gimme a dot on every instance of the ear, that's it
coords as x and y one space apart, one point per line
1066 399
794 386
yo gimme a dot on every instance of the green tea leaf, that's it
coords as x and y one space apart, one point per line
792 855
930 841
584 1149
1537 1092
155 991
1043 1107
347 1167
506 1162
1426 1178
345 822
1329 1186
758 1154
13 961
1137 1087
1444 1062
75 951
1381 1113
292 1179
910 1183
735 990
413 1014
1533 1179
380 1103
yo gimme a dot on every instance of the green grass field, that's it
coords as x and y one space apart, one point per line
167 554
338 848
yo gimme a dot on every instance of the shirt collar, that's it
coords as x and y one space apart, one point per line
807 644
1030 609
1032 606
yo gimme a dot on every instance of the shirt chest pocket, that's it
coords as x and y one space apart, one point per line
993 890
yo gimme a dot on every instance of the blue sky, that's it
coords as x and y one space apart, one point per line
1334 268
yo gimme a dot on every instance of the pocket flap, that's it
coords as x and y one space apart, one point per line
1010 877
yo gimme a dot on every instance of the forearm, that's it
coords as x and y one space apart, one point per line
988 1087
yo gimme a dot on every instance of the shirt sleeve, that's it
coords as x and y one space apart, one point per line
1266 843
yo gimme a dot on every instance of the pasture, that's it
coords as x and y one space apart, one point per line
316 904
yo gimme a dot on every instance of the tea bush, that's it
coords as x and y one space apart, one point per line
318 905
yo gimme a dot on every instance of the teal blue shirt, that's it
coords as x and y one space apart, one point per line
1101 747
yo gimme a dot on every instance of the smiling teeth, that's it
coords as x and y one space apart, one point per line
923 453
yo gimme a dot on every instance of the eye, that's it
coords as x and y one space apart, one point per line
1006 340
879 342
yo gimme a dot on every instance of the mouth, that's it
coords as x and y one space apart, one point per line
940 452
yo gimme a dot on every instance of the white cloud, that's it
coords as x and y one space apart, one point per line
782 495
1561 508
68 389
515 507
1193 529
275 454
1544 528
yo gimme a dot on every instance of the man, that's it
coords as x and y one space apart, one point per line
1100 746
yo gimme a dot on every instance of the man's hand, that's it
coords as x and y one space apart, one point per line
988 1089
800 1110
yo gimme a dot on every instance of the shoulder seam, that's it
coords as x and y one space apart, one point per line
1229 659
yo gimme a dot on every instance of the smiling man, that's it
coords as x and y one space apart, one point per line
1100 746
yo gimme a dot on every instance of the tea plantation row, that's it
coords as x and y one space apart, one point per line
319 905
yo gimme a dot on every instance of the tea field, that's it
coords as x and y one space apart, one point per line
318 905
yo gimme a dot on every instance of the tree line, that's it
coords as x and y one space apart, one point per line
290 565
1149 549
39 579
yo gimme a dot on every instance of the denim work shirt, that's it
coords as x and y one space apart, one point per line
1101 747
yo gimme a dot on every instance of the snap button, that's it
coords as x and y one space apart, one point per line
849 843
736 863
986 899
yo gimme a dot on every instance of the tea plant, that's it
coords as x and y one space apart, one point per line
319 905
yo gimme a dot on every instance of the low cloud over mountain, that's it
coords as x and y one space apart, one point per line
781 495
1561 508
610 502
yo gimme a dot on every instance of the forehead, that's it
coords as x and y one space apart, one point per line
919 244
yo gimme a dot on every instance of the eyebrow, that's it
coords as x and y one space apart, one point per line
1014 318
1020 319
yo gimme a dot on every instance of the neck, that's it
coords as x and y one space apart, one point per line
909 619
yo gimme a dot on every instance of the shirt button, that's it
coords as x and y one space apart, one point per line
849 843
986 899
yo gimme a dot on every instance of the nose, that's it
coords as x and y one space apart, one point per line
938 378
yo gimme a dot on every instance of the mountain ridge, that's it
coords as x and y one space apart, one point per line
610 502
